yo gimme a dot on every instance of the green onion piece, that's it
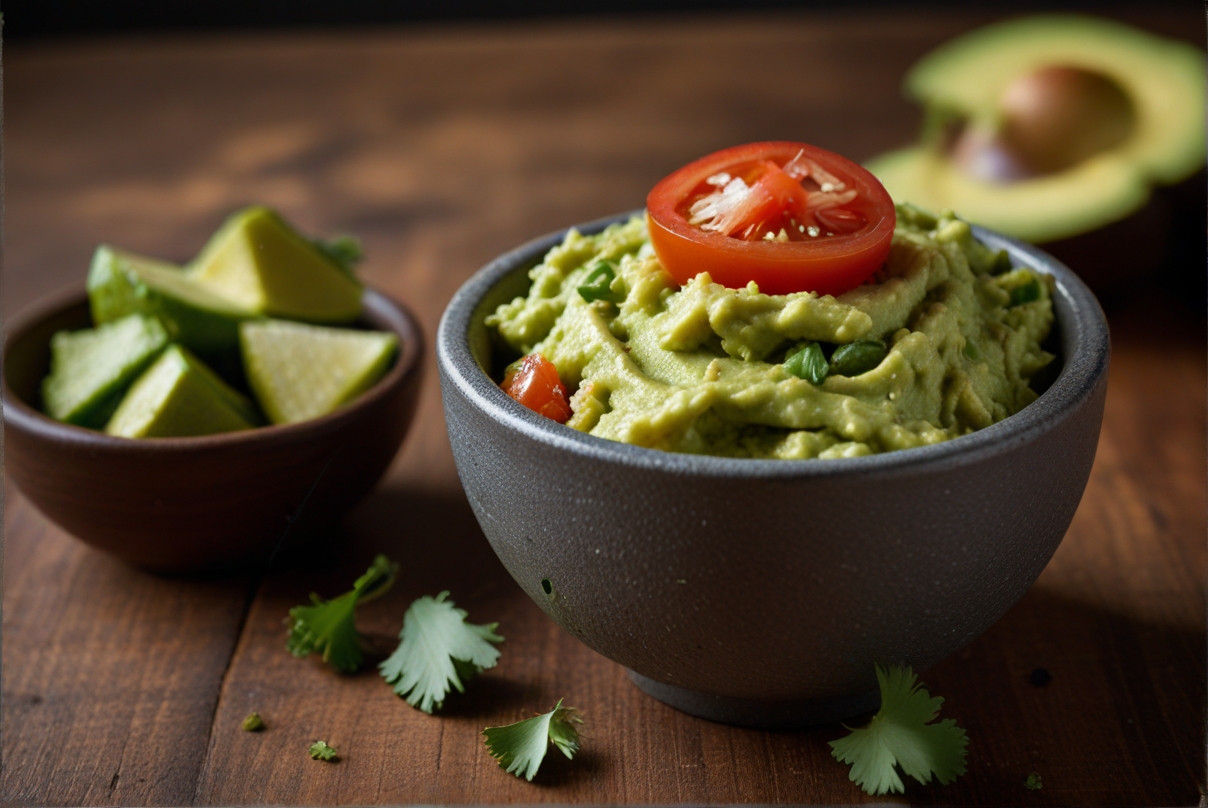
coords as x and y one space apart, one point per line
857 357
1001 263
1028 293
598 284
809 363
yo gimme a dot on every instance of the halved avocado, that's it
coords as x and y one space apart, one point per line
963 84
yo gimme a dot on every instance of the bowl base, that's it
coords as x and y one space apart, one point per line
759 714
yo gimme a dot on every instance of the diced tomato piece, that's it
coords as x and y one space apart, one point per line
535 383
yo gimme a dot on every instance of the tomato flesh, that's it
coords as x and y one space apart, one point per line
789 216
535 383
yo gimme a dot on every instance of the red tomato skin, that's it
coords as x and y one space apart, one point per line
537 385
829 265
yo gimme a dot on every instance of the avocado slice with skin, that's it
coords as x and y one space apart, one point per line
257 260
178 396
90 370
121 283
964 82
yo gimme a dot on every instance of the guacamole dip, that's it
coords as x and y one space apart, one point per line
942 341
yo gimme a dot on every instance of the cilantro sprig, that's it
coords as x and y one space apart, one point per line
521 747
329 626
439 649
344 251
901 734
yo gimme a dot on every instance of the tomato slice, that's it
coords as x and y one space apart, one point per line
790 216
535 383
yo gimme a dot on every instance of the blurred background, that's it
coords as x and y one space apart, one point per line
37 18
443 134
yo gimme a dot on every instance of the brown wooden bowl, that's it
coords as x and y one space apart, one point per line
201 503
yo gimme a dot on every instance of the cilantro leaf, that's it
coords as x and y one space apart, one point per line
344 251
319 750
900 733
438 649
329 627
1032 783
521 747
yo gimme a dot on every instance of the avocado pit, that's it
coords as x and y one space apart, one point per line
1049 120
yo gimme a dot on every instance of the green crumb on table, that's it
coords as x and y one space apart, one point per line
253 722
1033 782
319 750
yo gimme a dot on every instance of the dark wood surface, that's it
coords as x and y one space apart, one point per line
442 147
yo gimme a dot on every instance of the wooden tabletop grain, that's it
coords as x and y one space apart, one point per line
442 147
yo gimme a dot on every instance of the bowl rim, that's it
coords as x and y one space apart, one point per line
387 313
1077 312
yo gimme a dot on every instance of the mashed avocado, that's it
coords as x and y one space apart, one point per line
941 342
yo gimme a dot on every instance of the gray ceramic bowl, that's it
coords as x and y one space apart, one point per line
762 592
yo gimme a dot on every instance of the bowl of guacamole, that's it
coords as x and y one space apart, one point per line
756 498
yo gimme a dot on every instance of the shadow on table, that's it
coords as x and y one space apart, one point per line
1077 694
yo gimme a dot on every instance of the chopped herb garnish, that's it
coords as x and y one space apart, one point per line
253 722
1033 782
521 747
901 734
319 750
1001 264
857 357
344 251
809 363
972 351
1028 293
329 627
438 649
598 283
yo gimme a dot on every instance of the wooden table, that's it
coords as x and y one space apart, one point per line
442 147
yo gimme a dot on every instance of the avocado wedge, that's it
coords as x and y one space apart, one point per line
90 370
1146 92
300 371
121 283
262 264
179 396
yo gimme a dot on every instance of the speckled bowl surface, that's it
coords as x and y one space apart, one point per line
762 592
187 505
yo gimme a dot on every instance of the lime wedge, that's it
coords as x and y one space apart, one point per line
179 396
261 263
91 369
121 283
302 371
